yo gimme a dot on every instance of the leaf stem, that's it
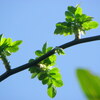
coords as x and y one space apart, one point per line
5 62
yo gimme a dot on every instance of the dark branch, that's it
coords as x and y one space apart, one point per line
66 45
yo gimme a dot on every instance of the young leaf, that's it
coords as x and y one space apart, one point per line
12 49
34 75
60 51
71 9
42 75
31 60
78 11
34 69
44 48
51 91
56 76
57 83
50 61
63 28
49 48
16 43
45 80
54 70
90 25
38 53
1 36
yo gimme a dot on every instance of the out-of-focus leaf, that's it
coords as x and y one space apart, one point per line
90 84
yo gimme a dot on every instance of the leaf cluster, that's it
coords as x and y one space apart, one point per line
7 46
45 71
75 22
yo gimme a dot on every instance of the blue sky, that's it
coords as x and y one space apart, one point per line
33 21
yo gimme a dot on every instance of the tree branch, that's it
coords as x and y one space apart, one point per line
66 45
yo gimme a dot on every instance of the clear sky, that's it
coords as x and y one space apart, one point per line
33 21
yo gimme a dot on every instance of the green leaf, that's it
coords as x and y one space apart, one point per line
71 9
16 43
34 75
60 51
1 36
56 76
90 25
51 91
69 16
44 48
90 84
34 69
54 70
31 60
42 75
49 48
50 61
7 53
38 53
12 49
9 41
57 83
3 41
78 11
45 80
63 28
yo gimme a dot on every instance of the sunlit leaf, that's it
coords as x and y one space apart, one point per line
16 43
56 76
12 49
57 83
1 36
54 70
90 25
78 11
51 91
